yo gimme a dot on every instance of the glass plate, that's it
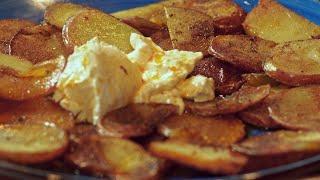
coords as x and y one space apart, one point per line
33 10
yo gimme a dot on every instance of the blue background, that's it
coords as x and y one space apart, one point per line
32 9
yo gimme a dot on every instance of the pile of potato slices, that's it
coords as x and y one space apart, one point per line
265 65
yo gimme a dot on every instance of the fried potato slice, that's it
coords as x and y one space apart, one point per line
135 119
298 108
113 157
295 63
162 39
57 14
39 81
226 14
189 30
210 131
243 51
208 158
38 43
77 132
146 27
37 111
247 96
31 144
259 79
93 23
258 115
8 28
279 147
272 21
227 78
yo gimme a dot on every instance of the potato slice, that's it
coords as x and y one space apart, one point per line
77 132
298 108
258 115
162 39
272 21
39 81
208 158
146 27
37 111
115 157
245 52
277 148
8 28
227 78
135 119
211 131
238 101
38 43
14 64
295 63
93 23
226 14
259 79
57 14
31 144
189 30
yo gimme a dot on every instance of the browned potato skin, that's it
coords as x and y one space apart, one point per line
57 14
8 28
238 101
259 79
210 131
295 63
298 109
258 115
245 52
162 39
93 23
227 78
272 21
36 111
189 30
200 157
146 27
17 88
34 157
278 148
135 120
95 155
38 43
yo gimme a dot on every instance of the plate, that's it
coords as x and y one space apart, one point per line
33 10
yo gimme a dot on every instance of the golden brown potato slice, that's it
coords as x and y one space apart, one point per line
227 78
259 79
77 132
37 111
279 147
207 158
298 108
57 14
272 21
247 96
146 27
295 63
226 14
258 115
245 52
189 30
135 119
31 144
38 43
8 28
115 157
210 131
162 39
93 23
39 81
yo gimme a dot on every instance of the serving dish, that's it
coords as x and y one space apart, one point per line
34 9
